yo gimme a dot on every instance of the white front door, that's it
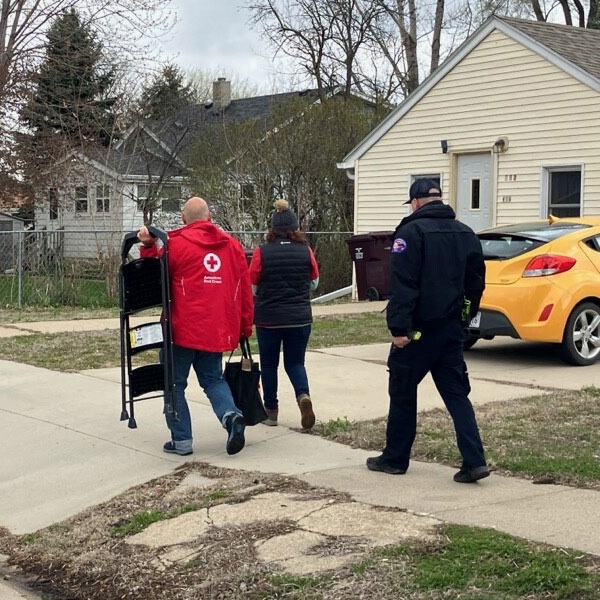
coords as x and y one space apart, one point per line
474 190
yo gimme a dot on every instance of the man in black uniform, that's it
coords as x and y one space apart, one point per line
437 270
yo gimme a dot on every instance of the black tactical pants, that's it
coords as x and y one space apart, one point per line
439 352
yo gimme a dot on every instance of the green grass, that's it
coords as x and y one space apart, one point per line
362 567
140 521
335 427
73 351
30 539
466 562
484 559
28 314
286 584
217 495
77 351
47 291
349 330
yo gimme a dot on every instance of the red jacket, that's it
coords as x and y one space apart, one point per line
211 296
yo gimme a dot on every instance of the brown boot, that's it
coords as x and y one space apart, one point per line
272 415
307 416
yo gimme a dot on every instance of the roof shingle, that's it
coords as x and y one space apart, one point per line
578 45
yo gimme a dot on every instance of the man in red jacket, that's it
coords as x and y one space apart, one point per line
211 308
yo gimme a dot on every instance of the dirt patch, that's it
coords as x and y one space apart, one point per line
220 534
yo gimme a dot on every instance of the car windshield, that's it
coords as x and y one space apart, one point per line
512 240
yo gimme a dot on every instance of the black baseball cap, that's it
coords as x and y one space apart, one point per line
421 189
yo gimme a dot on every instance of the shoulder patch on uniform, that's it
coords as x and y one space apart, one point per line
399 245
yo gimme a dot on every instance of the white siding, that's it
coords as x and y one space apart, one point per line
500 89
82 243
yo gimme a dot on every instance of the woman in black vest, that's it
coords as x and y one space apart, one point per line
283 272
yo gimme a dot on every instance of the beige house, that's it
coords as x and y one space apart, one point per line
509 125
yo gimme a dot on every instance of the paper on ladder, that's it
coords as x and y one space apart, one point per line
146 335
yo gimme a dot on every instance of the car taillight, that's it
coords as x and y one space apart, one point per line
548 264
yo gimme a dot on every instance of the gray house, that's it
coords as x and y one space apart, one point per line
103 189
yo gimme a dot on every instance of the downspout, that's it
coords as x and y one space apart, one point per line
495 175
500 145
351 174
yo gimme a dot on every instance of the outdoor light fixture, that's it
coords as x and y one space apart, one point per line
501 145
444 145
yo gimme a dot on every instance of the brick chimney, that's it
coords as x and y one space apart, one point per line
221 95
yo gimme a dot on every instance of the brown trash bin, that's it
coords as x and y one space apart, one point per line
371 253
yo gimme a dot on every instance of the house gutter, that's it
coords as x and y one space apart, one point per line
495 168
348 167
500 146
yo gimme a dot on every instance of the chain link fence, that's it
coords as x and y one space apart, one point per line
80 267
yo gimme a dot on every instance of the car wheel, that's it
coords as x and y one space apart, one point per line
469 341
581 340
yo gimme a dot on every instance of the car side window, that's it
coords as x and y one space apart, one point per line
593 243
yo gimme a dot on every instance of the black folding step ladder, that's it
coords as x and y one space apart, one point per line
144 284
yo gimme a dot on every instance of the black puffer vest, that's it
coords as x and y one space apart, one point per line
284 292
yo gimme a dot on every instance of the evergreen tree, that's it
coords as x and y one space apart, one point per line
166 94
72 85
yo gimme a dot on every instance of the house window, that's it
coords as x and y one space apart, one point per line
169 197
170 205
475 193
435 177
81 199
562 191
565 193
53 200
142 195
102 199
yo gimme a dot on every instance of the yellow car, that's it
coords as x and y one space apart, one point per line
543 284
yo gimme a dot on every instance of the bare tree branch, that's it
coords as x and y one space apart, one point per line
437 34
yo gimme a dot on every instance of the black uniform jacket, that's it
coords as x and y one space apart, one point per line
436 263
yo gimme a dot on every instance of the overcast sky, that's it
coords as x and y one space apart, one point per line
215 35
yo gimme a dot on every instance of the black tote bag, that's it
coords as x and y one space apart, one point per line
243 378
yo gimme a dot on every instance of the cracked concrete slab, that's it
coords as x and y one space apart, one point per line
379 526
328 534
173 532
292 553
271 506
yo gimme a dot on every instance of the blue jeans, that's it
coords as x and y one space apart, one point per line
209 371
294 340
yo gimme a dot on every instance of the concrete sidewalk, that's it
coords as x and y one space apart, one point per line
65 448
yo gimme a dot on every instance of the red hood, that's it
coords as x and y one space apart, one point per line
202 233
